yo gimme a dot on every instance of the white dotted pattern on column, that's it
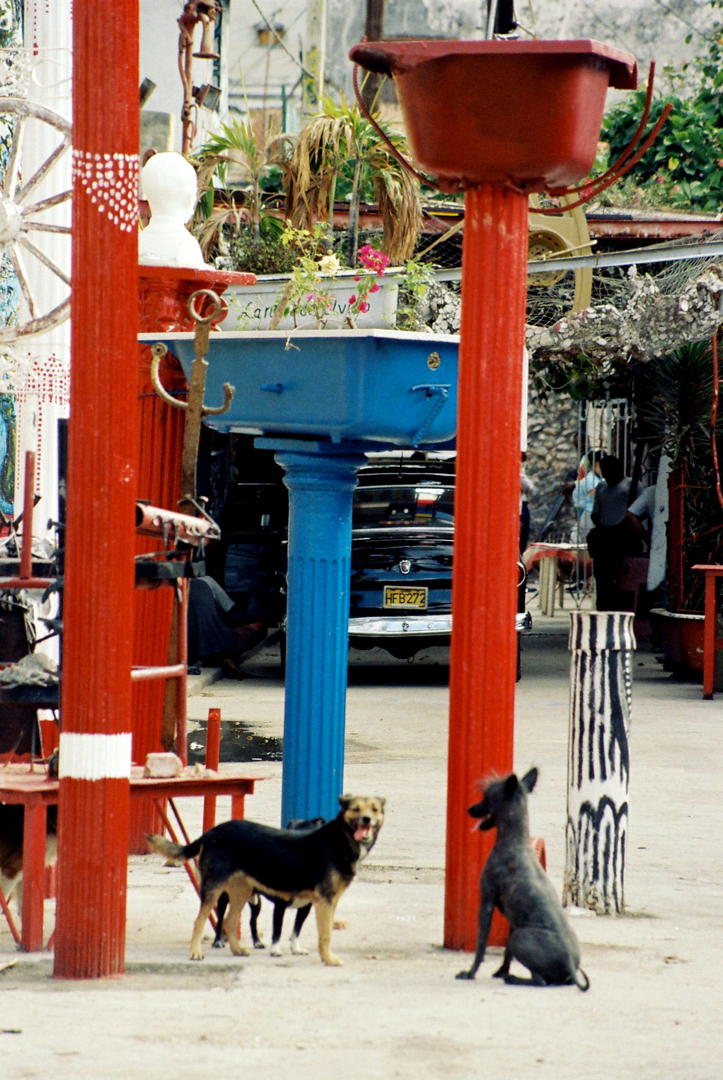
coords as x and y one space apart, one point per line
111 181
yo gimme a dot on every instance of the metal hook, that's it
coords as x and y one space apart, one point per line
195 409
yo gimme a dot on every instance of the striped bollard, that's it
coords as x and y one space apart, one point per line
598 769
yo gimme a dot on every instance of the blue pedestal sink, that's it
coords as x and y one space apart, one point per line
383 386
320 399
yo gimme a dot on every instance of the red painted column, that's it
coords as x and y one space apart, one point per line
213 753
34 833
486 545
95 741
710 635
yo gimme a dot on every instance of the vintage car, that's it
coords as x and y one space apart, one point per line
401 554
401 558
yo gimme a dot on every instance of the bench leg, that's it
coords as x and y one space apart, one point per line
709 636
548 581
34 826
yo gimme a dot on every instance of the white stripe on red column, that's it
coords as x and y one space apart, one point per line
94 757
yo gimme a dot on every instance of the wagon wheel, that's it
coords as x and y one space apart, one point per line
22 215
556 293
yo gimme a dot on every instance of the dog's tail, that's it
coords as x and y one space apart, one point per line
175 853
576 979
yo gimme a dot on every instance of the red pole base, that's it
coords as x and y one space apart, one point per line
483 657
92 879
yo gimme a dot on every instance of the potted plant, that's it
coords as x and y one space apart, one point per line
320 293
301 276
239 179
338 154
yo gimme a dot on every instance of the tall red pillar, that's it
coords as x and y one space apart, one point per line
95 742
483 658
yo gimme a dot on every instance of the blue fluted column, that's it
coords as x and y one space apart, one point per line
321 478
598 771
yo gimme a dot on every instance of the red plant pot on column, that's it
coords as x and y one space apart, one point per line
501 119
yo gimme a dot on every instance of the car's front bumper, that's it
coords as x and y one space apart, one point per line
418 625
401 625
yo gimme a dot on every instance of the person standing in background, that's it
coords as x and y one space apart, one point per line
613 536
582 495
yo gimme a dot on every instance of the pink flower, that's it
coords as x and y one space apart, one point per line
357 278
373 259
374 288
352 299
364 306
310 296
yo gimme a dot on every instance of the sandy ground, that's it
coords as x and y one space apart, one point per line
395 1010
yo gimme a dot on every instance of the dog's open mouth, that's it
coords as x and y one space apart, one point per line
486 822
362 832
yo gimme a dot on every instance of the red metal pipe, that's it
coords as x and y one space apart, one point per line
26 582
182 684
213 752
714 418
34 836
152 521
486 545
9 918
26 546
169 671
95 743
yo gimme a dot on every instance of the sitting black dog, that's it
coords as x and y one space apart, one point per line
512 880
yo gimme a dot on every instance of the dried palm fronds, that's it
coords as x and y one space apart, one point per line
340 142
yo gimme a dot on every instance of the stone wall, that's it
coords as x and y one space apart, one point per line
551 455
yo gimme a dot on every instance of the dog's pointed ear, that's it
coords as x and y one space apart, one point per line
345 801
529 780
381 800
511 785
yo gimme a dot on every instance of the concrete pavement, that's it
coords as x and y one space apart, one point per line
395 1010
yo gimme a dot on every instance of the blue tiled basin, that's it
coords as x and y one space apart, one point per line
385 386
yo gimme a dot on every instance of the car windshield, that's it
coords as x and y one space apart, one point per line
417 505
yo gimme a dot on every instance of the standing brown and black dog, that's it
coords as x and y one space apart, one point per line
242 857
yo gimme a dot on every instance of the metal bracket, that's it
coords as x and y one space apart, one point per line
195 409
440 391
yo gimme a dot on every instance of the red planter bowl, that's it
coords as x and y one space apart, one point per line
524 114
682 641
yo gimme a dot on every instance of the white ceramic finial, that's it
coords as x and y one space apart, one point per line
169 185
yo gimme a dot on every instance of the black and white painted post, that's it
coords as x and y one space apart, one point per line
598 767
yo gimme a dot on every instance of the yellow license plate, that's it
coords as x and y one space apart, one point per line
397 597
